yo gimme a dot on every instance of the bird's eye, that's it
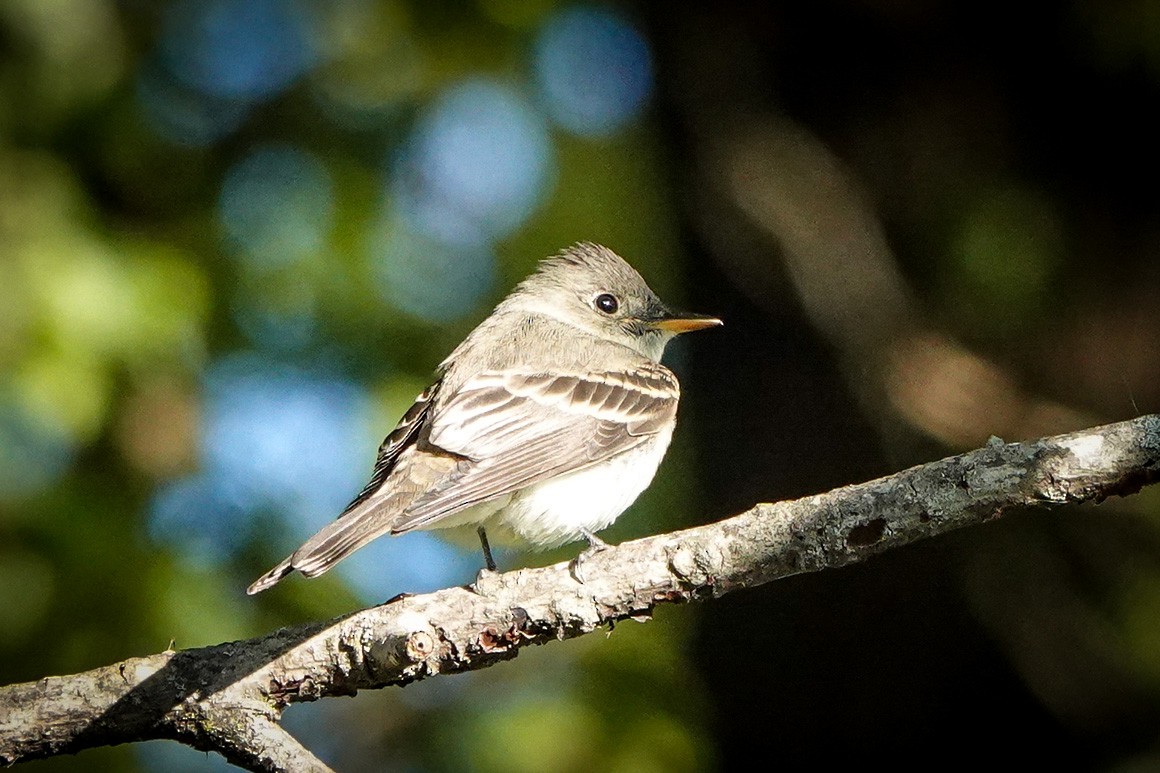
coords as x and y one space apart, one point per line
607 303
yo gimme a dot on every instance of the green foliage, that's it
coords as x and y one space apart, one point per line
123 285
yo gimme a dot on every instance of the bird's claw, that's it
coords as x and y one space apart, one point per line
595 545
485 582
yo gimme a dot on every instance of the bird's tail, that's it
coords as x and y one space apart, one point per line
333 543
369 516
270 578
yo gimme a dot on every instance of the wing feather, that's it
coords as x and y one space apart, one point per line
400 437
536 426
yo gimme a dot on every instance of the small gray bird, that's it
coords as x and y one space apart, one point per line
549 419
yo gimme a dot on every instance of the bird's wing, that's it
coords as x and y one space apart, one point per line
499 433
402 436
514 429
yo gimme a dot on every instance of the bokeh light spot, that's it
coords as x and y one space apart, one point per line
208 516
88 298
157 429
372 64
594 70
293 437
275 439
477 166
429 279
237 49
279 319
184 116
67 392
276 205
32 456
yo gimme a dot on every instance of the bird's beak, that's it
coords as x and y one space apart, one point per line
683 322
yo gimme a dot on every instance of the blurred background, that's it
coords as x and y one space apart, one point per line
237 236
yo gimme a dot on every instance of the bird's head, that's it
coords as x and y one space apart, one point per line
590 287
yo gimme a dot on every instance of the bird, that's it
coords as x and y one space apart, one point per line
548 420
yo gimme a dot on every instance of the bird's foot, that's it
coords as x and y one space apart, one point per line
486 582
595 545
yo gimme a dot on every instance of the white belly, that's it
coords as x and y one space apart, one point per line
556 511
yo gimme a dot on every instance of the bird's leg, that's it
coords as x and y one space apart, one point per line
595 545
486 549
486 581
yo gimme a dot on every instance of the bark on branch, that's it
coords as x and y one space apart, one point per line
228 698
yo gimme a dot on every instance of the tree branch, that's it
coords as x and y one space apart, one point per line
228 698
